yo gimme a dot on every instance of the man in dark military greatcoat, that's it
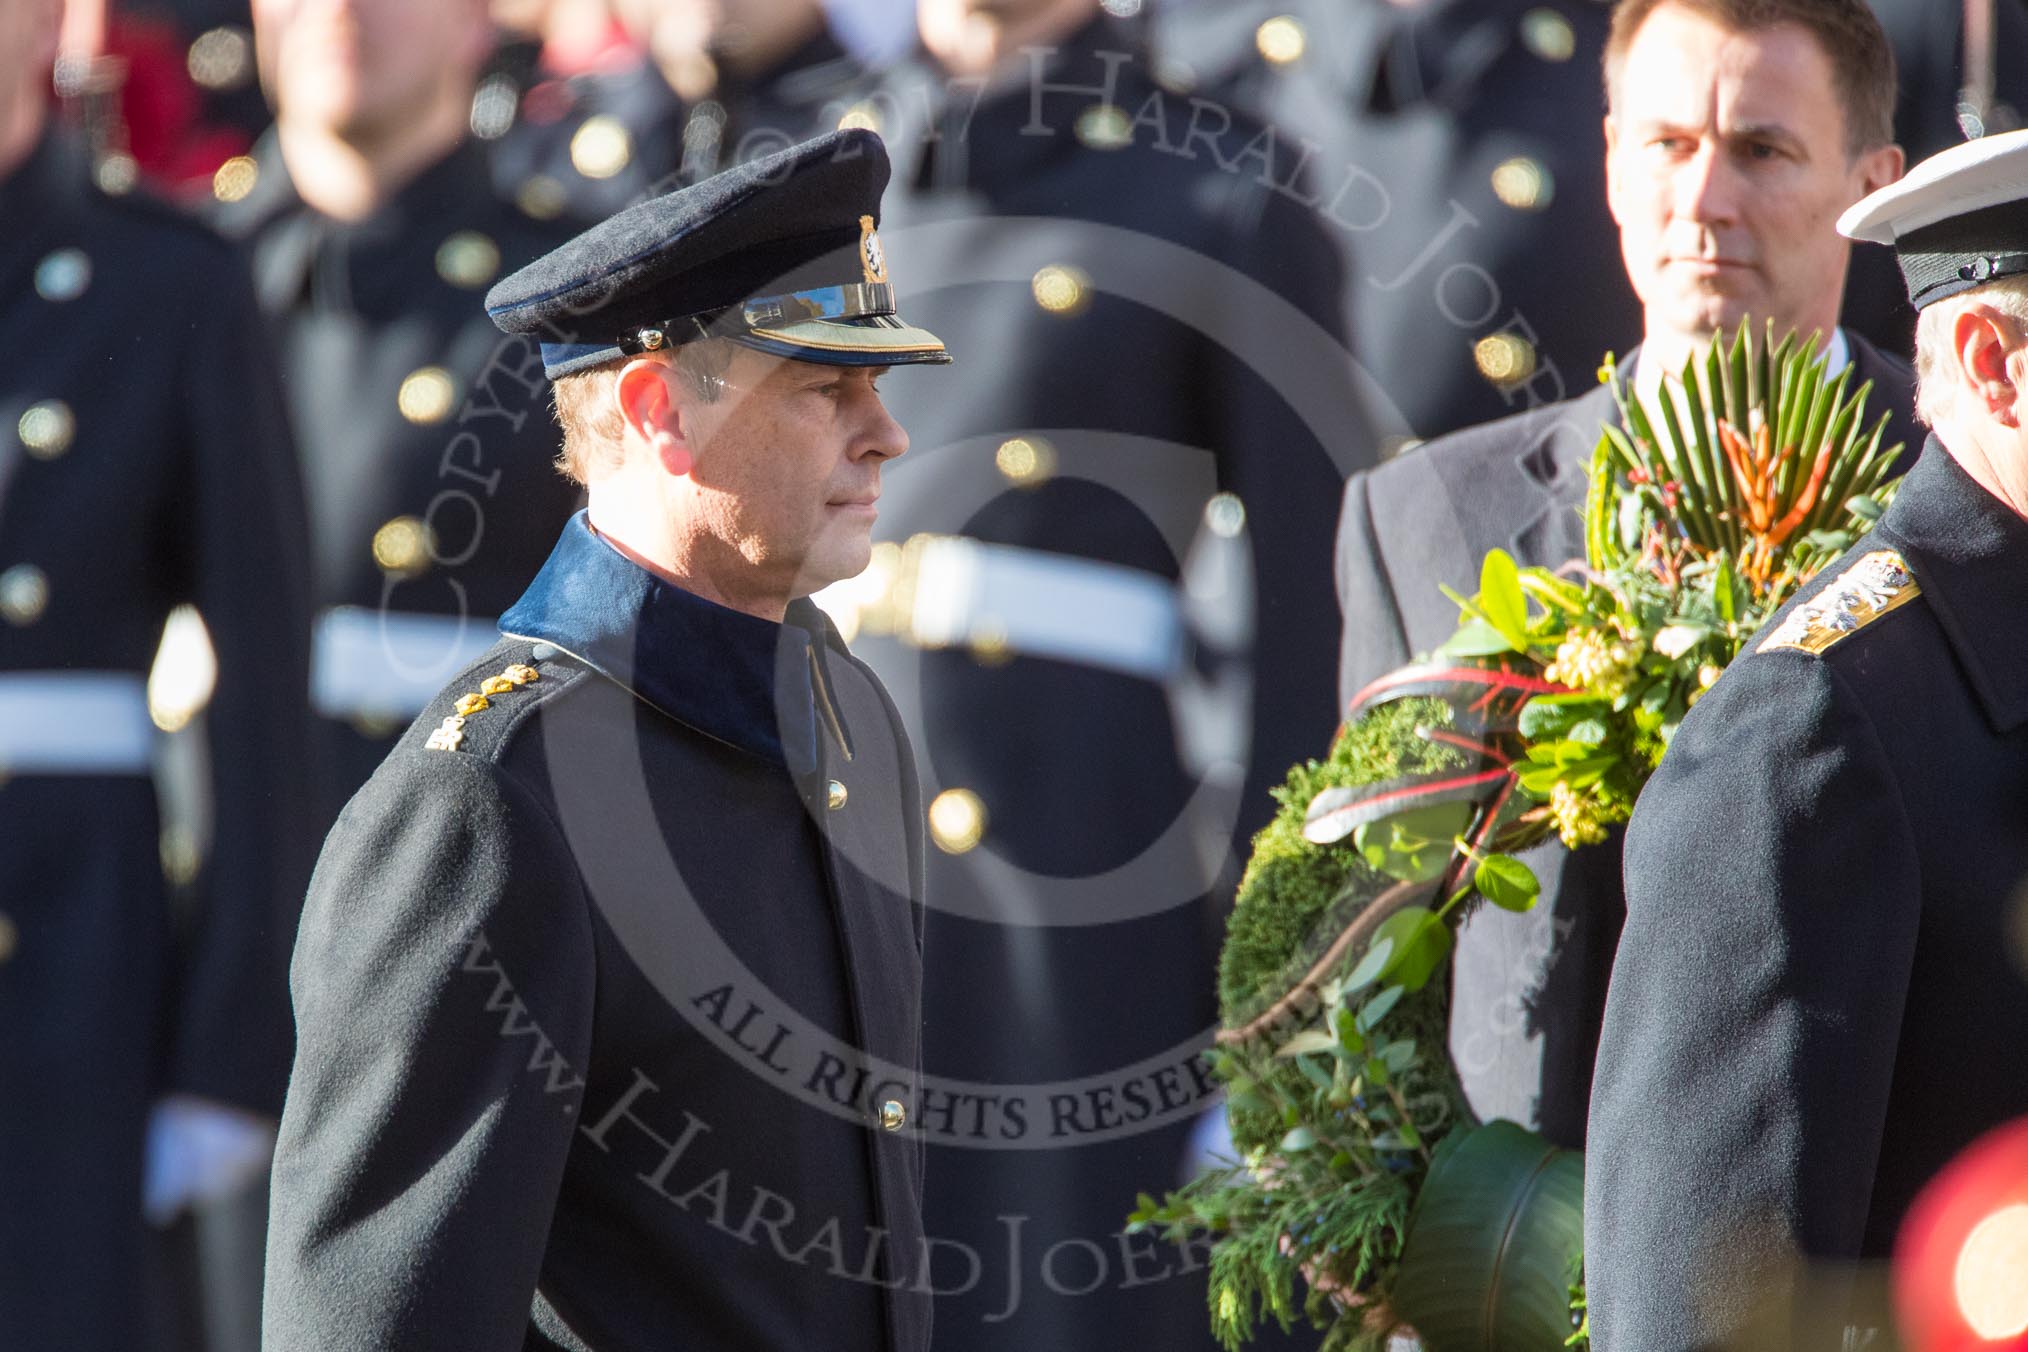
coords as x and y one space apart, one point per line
1822 993
1162 309
608 986
1737 132
427 456
144 462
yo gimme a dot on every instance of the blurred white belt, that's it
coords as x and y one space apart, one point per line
388 664
1043 605
75 723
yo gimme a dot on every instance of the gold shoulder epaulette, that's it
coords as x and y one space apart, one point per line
1877 583
450 734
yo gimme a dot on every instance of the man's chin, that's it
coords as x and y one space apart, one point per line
837 561
1706 315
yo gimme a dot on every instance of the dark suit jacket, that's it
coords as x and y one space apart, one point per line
608 1001
1530 988
1817 1004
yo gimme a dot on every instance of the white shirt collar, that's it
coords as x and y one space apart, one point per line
1837 356
1837 353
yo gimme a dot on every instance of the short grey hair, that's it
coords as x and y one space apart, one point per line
590 420
1935 391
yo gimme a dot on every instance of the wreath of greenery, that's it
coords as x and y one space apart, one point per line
1361 1166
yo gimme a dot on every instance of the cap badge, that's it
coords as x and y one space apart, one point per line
871 256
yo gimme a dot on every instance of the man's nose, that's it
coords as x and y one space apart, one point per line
1706 187
881 435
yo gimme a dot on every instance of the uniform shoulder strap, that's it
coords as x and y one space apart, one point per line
1869 588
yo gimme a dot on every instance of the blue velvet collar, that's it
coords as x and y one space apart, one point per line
743 680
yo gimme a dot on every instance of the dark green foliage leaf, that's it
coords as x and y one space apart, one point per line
1349 1036
1501 599
1591 732
1376 1009
1553 715
1413 846
1630 514
1421 943
1476 638
1307 1041
1506 882
1378 955
1725 590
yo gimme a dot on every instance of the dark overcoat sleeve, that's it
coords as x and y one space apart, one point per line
443 984
1372 639
1756 1002
244 563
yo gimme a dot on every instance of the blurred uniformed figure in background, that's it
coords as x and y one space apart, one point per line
707 84
1455 149
426 441
144 461
1963 72
1156 320
164 93
1465 134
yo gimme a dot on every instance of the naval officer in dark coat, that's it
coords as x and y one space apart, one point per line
608 984
1731 152
145 462
428 457
1821 996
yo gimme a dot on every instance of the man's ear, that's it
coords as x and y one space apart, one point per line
1881 166
1612 173
651 416
1980 340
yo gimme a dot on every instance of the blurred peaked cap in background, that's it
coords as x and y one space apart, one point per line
1957 220
780 254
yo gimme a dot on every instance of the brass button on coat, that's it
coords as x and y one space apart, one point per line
63 275
892 1115
24 594
46 429
834 795
402 547
468 259
957 820
426 395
